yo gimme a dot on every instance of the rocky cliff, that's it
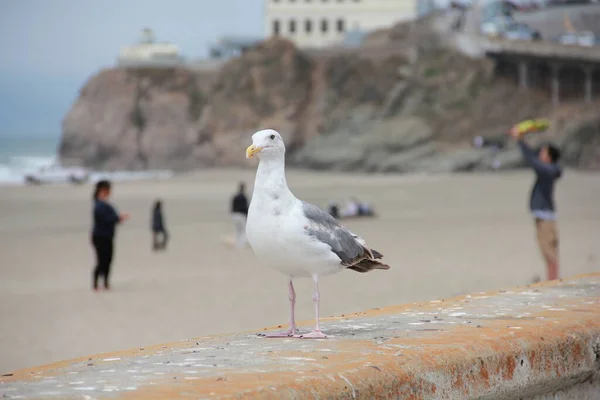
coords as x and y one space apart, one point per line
401 103
134 119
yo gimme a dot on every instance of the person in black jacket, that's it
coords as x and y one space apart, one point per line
239 214
160 237
103 232
541 203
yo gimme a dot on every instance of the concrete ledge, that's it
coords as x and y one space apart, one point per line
537 342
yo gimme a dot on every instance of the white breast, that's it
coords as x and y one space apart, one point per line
276 234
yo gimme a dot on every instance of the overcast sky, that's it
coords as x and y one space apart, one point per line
50 47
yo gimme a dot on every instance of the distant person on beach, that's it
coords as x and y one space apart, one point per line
334 210
548 171
239 214
365 210
160 237
351 208
103 232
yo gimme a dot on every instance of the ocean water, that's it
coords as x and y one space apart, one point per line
22 154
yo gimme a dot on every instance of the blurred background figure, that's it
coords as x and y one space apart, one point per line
103 232
239 214
365 210
334 210
351 208
160 236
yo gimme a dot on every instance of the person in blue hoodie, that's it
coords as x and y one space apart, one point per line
541 203
105 219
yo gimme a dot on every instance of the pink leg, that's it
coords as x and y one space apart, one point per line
552 268
293 330
316 333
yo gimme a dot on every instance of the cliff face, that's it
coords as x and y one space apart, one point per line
175 118
133 119
270 86
400 103
154 118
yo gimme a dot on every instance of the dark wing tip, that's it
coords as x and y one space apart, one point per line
377 255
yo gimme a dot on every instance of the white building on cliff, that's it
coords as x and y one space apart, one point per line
149 53
320 23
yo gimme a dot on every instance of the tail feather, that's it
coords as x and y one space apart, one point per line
368 265
369 262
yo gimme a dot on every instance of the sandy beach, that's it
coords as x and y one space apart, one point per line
442 235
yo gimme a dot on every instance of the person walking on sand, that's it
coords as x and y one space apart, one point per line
239 214
103 232
160 237
548 171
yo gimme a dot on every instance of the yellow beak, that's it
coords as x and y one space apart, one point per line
252 150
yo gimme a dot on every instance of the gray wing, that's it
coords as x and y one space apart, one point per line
328 230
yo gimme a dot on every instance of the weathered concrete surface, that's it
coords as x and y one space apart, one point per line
537 342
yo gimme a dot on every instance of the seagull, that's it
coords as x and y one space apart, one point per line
294 237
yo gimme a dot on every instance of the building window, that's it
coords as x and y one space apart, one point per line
340 25
276 27
324 25
308 26
292 26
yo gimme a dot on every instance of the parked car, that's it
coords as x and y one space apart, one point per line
585 39
57 174
496 26
568 38
520 31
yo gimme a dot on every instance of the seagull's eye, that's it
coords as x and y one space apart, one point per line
272 137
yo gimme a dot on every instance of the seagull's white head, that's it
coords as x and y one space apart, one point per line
266 144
